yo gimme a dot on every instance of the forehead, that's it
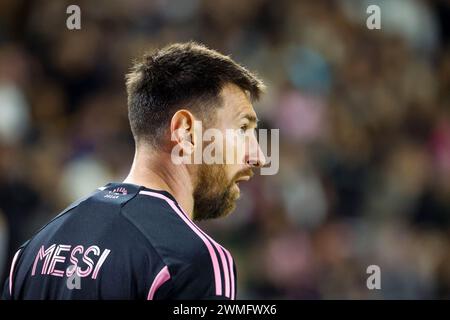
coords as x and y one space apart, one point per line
235 102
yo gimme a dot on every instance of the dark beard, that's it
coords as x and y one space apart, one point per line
214 196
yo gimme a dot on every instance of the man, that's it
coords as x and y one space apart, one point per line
137 239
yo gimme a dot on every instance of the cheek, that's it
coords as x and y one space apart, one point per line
235 149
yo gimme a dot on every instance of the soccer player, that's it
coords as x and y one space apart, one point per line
138 239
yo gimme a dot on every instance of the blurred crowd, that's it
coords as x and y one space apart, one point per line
364 119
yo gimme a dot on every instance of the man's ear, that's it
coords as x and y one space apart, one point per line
182 129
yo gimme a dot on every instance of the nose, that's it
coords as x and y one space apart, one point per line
255 158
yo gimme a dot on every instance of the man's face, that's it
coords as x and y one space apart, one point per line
217 187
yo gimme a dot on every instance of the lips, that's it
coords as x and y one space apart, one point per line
245 175
245 178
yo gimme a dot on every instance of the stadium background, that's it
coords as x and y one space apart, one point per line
364 124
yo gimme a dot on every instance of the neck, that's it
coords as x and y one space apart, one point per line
155 170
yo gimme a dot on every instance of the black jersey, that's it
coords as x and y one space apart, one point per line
122 242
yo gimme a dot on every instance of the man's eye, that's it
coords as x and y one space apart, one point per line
243 129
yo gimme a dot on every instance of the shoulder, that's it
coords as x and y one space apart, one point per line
197 265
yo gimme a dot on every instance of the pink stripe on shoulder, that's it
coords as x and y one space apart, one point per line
215 263
11 272
159 280
229 277
230 264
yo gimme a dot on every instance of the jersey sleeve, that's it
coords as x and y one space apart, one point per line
200 279
5 292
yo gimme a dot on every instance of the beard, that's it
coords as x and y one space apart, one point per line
215 195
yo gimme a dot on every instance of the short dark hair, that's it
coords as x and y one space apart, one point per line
186 75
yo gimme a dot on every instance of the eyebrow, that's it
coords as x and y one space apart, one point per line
249 117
